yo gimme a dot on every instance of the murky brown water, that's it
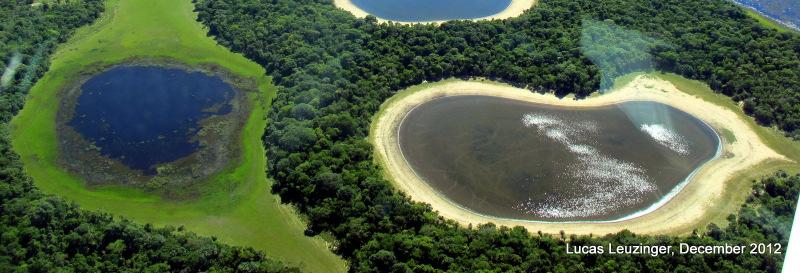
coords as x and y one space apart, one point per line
512 159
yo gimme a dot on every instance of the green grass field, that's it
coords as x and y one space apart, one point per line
236 205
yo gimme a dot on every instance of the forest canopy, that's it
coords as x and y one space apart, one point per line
333 72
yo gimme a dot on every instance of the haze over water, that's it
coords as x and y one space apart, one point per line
519 160
427 10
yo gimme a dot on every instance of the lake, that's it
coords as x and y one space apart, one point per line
147 115
512 159
427 10
784 11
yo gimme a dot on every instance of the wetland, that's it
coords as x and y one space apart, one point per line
149 125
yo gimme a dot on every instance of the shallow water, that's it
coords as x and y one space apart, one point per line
145 115
519 160
784 11
427 10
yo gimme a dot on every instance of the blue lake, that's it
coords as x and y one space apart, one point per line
784 11
145 115
431 10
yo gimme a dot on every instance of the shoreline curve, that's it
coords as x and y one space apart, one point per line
514 9
684 207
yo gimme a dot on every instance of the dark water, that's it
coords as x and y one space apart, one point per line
512 159
784 11
431 10
143 115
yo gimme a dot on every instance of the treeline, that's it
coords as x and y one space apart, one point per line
333 72
28 34
42 233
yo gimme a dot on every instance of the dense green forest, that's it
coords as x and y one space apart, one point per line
333 72
28 35
42 233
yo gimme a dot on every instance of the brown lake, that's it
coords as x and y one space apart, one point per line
511 159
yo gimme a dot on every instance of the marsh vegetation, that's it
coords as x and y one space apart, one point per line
166 129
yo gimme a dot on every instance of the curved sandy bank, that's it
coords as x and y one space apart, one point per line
516 8
685 209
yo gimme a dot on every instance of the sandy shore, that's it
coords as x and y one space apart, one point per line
514 9
683 211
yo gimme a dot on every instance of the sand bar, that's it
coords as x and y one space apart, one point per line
516 8
685 209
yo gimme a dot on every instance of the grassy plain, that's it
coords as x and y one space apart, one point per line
234 206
